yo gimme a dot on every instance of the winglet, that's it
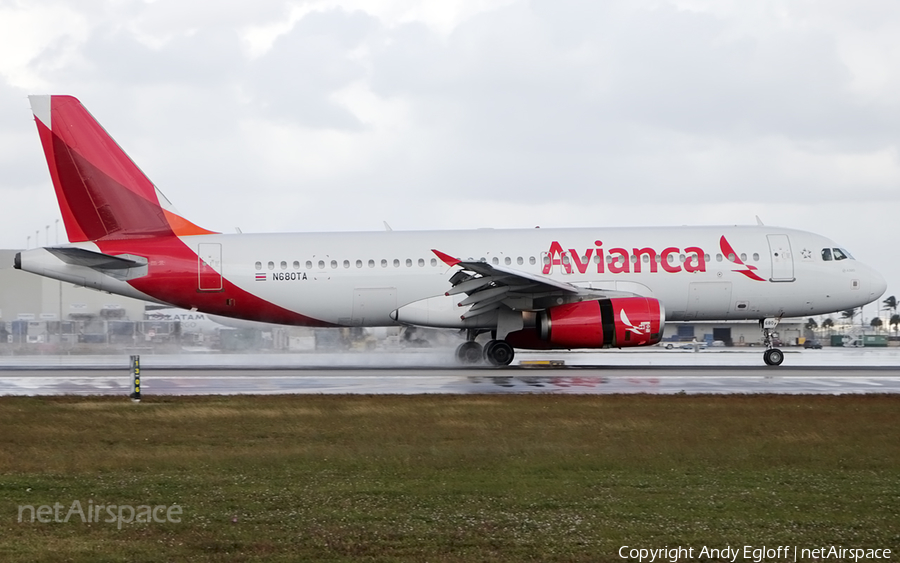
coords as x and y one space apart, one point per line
446 258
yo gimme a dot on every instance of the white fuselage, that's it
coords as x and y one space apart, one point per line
360 278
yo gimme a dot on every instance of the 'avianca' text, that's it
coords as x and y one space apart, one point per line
621 261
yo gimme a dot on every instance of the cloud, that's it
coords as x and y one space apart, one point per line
298 77
336 114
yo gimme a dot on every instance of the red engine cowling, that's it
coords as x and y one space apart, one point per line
618 322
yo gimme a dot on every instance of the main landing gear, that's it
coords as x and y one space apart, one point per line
469 353
499 353
495 352
772 356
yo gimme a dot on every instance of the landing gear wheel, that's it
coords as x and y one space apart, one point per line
499 353
773 357
468 353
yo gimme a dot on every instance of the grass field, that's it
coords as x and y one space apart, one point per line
448 478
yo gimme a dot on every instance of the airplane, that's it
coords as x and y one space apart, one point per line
540 288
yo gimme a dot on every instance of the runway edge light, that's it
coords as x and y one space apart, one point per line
135 379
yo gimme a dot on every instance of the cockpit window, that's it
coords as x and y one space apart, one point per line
839 254
826 254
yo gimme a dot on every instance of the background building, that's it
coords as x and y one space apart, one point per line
39 310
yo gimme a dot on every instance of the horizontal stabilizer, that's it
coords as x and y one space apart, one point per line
94 260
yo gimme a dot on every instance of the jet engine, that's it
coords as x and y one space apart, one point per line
617 322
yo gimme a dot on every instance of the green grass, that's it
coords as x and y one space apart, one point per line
449 478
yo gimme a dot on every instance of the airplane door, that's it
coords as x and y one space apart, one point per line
782 258
209 266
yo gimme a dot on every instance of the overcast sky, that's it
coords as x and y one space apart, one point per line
275 115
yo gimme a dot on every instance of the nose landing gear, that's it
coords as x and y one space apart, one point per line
772 356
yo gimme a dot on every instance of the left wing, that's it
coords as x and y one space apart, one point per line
488 287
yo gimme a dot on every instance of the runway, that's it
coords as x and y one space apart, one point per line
582 379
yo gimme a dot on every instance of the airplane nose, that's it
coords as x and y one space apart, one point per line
878 285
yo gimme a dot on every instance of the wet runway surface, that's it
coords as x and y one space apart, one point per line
830 371
572 380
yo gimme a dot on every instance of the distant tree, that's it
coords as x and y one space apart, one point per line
849 314
876 323
890 304
895 320
828 324
811 324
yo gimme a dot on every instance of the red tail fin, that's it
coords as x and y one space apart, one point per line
102 194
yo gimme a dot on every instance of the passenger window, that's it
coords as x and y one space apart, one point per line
334 264
346 263
296 265
507 260
396 263
384 263
283 265
359 263
531 260
408 263
434 261
718 257
706 257
838 255
309 264
371 263
596 258
321 264
271 265
519 261
743 256
731 256
495 261
421 262
756 256
259 265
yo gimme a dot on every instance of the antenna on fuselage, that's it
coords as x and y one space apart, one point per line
759 221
